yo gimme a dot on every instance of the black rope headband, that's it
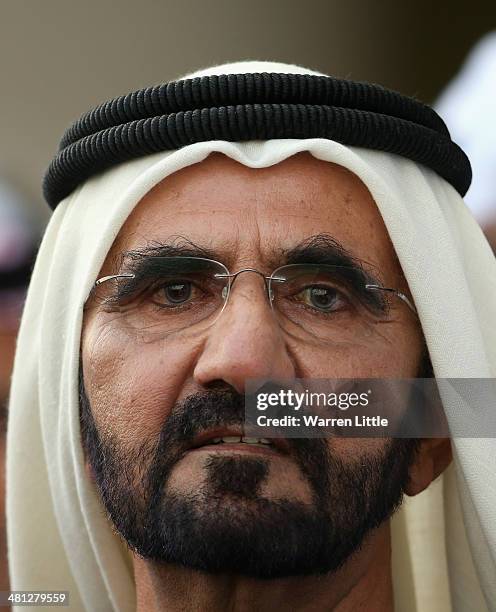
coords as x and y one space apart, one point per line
261 106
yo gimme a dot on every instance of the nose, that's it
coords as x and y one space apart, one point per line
245 341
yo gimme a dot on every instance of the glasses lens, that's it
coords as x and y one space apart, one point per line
163 295
330 303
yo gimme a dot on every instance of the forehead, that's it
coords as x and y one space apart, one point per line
219 203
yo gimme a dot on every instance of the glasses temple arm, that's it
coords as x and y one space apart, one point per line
401 295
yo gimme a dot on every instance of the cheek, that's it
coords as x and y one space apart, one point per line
392 351
131 386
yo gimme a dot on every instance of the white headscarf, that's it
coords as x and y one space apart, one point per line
444 540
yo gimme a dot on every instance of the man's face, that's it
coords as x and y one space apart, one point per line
258 510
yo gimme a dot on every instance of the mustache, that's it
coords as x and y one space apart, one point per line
221 408
198 412
203 411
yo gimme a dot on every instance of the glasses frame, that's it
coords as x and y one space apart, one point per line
267 282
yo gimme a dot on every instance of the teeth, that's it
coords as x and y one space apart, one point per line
236 439
249 440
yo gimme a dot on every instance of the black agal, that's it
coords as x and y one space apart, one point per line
260 106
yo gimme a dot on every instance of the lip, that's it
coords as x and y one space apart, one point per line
235 449
201 443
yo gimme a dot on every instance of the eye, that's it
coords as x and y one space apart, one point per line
178 292
325 299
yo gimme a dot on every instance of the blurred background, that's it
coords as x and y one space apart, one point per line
59 58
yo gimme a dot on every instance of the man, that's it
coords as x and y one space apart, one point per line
154 314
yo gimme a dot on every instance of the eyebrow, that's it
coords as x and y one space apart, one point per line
178 247
323 249
320 249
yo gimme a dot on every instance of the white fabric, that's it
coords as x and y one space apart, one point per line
444 540
468 107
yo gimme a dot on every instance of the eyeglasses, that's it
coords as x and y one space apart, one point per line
186 295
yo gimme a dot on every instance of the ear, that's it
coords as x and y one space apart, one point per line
433 457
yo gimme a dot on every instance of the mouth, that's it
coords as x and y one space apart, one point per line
233 440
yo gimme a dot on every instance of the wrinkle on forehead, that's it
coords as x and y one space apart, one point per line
249 211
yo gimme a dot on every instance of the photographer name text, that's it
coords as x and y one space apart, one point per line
309 420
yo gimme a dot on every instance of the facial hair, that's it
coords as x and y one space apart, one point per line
227 525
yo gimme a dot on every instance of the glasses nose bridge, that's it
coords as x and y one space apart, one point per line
234 276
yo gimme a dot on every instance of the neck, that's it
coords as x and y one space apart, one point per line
364 582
